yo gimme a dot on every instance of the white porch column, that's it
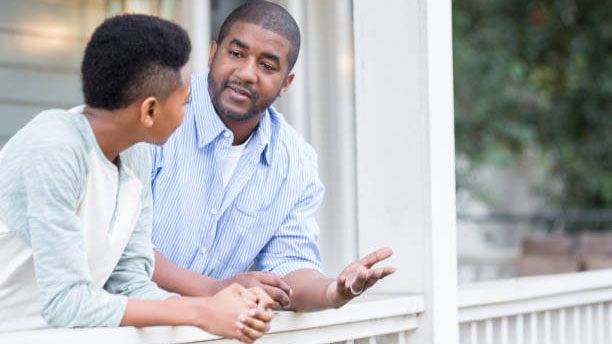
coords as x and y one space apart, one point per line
196 18
405 152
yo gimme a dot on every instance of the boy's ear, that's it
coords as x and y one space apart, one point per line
148 112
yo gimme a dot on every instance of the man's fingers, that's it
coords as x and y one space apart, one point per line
360 283
361 279
360 275
380 272
276 306
276 288
388 270
264 300
278 295
273 280
376 256
367 278
377 274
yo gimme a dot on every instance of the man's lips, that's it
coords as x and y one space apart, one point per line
239 91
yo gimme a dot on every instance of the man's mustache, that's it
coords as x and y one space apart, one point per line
253 94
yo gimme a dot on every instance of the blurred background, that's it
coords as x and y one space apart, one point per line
533 115
533 126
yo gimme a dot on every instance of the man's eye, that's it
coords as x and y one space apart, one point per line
267 66
235 53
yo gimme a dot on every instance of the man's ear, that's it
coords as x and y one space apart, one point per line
286 84
148 111
213 51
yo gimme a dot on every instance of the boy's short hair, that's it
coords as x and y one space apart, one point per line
133 56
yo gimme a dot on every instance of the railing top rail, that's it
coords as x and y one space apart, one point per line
525 288
553 216
368 307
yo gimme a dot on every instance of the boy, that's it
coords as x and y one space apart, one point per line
75 197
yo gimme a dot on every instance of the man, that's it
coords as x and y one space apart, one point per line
75 197
236 186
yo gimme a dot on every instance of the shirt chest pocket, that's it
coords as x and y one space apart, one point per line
248 217
256 201
252 219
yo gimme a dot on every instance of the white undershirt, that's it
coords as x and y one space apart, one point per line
231 161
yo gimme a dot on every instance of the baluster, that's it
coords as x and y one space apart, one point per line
576 325
520 334
547 327
401 337
600 324
473 333
489 331
562 328
609 327
504 330
589 324
533 331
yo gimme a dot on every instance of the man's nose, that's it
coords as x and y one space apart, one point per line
247 70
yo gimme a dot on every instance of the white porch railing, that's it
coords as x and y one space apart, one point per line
364 320
554 309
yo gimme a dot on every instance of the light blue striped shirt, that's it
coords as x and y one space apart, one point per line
266 213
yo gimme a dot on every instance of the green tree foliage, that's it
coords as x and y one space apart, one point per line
537 74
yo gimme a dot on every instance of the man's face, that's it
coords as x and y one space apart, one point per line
248 70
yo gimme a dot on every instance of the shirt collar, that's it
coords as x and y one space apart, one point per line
264 133
209 126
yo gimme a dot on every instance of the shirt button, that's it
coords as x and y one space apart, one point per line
213 211
226 134
203 250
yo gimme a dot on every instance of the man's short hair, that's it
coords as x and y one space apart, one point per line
269 16
133 56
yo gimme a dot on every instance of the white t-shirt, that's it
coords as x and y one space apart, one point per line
231 161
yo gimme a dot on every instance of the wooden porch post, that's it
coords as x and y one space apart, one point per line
196 18
405 152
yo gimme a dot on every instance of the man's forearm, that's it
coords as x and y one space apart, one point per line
310 289
182 281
